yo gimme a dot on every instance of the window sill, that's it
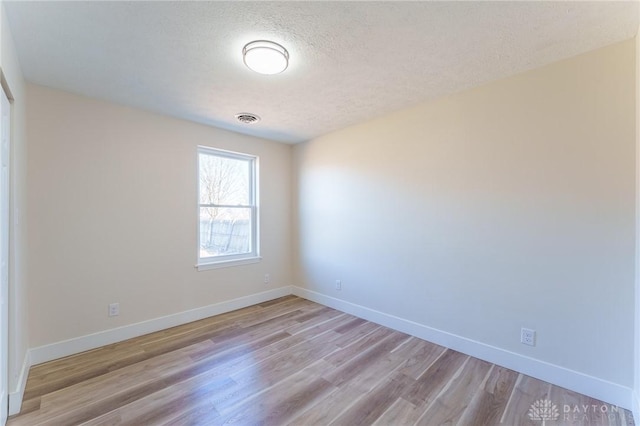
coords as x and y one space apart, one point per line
227 263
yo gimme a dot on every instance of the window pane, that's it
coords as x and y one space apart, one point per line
224 181
224 231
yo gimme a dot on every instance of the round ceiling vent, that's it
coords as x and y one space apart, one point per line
247 118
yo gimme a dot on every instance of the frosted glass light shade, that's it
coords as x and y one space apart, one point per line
265 57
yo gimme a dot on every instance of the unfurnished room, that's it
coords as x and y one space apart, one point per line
320 213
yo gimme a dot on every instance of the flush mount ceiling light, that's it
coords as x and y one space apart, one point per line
265 57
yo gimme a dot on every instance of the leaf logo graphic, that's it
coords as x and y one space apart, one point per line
543 410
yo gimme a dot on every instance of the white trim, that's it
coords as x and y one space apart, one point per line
636 333
579 382
223 261
227 263
15 397
91 341
603 390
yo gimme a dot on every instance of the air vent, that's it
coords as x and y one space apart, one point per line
246 118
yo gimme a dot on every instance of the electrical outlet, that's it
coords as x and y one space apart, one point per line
267 279
528 336
114 309
338 285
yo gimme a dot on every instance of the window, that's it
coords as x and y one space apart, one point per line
228 211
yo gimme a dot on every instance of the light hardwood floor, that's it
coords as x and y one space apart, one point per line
291 362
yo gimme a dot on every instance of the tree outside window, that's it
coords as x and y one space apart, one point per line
227 200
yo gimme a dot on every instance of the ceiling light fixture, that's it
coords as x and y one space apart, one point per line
265 57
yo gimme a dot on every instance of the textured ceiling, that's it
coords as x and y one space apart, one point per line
350 61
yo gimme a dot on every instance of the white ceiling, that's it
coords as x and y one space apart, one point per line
350 61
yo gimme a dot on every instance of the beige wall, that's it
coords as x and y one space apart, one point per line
510 205
18 306
112 193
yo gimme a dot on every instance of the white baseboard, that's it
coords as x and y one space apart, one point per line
15 397
603 390
91 341
609 392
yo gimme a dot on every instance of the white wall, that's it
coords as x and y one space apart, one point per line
18 307
510 205
112 195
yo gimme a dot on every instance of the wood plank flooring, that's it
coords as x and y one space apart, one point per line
292 362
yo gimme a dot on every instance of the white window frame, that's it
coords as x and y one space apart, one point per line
223 261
